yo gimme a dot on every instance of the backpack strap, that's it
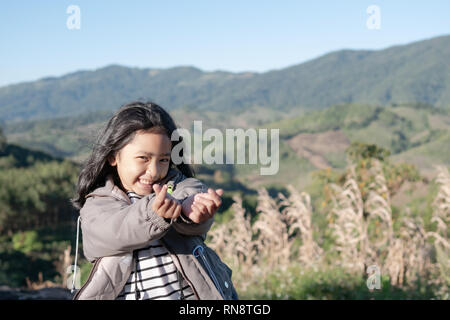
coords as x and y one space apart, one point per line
76 255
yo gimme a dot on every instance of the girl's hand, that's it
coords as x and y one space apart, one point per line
202 206
165 205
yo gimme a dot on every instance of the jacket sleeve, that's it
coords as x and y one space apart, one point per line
111 227
183 190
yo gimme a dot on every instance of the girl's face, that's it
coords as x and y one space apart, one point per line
143 162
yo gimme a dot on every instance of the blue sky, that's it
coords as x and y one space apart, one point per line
212 35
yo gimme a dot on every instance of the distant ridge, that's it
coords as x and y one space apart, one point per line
416 72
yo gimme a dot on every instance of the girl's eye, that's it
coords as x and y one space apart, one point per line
145 158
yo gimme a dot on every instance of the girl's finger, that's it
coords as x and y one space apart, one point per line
157 202
209 204
205 212
211 196
156 188
195 214
202 213
170 210
177 211
161 195
202 208
164 207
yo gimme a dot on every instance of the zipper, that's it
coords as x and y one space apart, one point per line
91 275
198 252
180 283
135 261
181 269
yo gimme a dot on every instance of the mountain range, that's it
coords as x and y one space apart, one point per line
415 72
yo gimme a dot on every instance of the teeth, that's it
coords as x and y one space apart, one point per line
145 181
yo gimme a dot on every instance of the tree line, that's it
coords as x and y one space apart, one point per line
34 193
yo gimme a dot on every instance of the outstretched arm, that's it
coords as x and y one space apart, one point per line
195 220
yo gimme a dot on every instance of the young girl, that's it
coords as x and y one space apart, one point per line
144 219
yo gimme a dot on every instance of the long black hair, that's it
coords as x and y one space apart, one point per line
119 131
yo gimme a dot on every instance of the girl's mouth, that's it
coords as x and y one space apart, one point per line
146 184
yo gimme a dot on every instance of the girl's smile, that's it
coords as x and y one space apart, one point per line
146 185
143 162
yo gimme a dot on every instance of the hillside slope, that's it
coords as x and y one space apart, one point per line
416 72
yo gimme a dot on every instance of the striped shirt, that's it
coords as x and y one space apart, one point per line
155 275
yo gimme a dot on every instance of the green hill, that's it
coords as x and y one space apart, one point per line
416 72
415 133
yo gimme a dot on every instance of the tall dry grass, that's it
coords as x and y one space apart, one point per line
362 229
441 216
348 225
255 250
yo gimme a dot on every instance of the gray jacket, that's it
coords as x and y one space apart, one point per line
113 228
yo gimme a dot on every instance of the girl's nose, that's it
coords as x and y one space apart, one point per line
152 173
